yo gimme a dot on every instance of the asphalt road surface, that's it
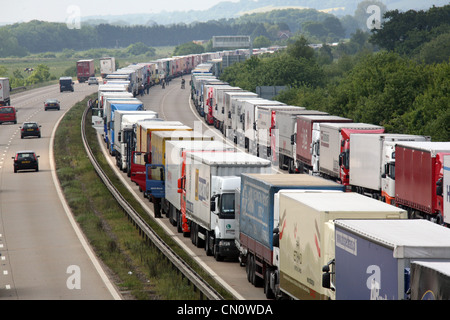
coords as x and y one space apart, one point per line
43 254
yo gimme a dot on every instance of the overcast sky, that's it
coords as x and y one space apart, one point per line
68 10
62 10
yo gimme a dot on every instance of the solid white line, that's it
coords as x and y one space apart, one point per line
79 233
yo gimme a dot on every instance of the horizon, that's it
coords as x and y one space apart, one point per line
77 11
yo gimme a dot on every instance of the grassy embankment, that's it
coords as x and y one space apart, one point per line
139 269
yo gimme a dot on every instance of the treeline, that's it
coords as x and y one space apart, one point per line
37 36
393 87
21 39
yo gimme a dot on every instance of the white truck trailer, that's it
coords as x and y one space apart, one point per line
371 155
210 182
307 233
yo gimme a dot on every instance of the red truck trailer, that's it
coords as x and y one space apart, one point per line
85 69
419 169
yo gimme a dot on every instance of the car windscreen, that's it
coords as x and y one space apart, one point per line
6 110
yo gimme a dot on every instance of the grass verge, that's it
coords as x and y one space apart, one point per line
137 269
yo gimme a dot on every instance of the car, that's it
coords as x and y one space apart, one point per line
8 114
26 160
52 104
92 80
30 129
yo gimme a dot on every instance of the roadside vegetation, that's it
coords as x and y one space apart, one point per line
138 269
396 77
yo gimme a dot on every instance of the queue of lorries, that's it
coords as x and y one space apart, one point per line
340 229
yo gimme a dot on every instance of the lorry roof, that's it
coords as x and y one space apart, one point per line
440 266
410 238
427 146
181 134
212 158
282 107
324 117
291 179
351 125
342 202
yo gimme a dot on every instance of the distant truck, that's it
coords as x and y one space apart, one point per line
373 258
210 183
418 178
141 156
110 107
65 84
85 70
227 104
124 122
259 216
307 233
5 89
306 141
107 66
285 136
266 128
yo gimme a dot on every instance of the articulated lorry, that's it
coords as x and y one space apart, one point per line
372 159
210 182
124 123
173 203
419 168
306 141
373 257
142 154
218 104
228 110
259 217
307 233
156 165
5 99
107 66
109 109
285 136
335 140
85 70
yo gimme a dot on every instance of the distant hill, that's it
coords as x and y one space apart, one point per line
228 10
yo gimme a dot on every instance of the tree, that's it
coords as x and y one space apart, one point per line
188 48
261 42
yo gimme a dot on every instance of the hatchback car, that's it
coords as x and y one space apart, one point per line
30 129
52 104
8 114
26 160
92 80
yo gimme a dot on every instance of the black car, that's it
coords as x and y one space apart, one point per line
25 160
30 129
52 104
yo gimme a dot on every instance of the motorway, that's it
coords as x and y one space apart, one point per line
173 104
43 254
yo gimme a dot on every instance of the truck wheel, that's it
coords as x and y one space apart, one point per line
248 267
267 290
217 256
208 249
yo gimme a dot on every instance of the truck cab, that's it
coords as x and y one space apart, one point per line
222 243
